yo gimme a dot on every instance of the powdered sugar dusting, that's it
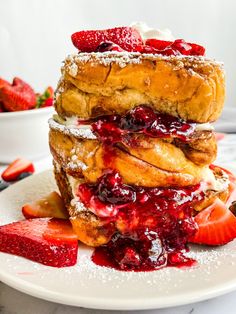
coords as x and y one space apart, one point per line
78 206
60 88
122 59
79 132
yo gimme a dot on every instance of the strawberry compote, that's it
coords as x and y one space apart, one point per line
111 129
152 225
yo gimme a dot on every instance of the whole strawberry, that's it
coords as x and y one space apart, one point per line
17 96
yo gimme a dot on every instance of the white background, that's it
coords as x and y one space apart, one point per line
35 34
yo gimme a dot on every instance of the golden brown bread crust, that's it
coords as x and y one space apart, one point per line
192 88
95 231
152 163
201 150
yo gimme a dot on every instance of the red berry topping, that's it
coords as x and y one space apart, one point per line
158 44
51 242
17 167
197 50
179 46
88 41
151 222
108 129
18 96
138 119
114 128
108 46
89 198
112 190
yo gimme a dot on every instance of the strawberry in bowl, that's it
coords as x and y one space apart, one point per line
20 96
23 120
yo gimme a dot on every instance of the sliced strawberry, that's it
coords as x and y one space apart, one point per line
216 225
197 50
49 206
60 230
171 48
181 46
16 168
47 241
18 96
126 37
158 44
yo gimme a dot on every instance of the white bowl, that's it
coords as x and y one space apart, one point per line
24 134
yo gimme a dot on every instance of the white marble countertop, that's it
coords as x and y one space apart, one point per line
15 302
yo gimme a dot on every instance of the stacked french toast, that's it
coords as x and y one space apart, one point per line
133 146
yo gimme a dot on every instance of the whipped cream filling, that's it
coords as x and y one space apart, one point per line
75 202
147 32
73 184
204 127
83 131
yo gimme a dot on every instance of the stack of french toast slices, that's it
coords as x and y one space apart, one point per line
133 144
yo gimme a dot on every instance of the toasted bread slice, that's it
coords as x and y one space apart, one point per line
151 162
93 84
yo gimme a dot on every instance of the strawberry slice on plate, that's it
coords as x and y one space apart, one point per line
49 206
17 167
126 37
51 242
216 225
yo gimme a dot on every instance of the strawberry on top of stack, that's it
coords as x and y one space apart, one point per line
19 96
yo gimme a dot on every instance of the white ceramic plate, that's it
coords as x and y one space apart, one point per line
90 286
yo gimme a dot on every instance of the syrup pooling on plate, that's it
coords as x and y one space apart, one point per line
111 129
153 224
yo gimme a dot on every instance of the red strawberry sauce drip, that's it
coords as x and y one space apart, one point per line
111 129
153 224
